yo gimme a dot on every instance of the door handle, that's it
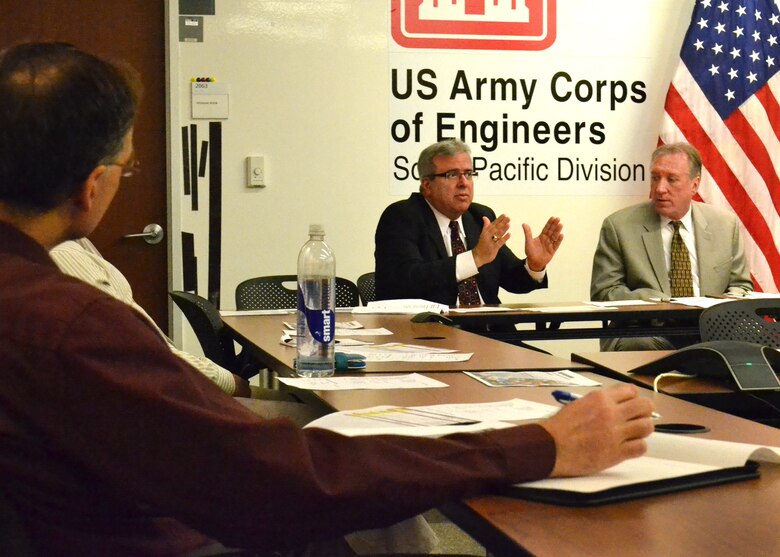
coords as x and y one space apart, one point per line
152 234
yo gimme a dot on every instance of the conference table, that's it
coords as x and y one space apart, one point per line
261 334
719 394
583 320
730 519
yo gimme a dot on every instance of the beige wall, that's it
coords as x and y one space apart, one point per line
310 91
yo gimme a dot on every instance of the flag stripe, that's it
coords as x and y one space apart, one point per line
768 100
754 149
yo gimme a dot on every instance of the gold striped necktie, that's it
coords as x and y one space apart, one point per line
680 272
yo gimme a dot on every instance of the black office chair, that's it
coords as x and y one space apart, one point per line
281 292
367 286
756 321
216 343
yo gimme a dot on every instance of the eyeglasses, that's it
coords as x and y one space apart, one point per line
454 175
130 168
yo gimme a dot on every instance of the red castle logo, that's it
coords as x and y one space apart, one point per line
474 24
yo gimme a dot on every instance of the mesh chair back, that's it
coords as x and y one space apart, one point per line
347 293
744 320
208 326
281 292
271 292
367 287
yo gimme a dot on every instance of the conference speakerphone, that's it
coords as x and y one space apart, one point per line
751 366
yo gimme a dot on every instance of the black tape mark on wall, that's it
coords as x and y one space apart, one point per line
194 164
185 159
189 263
204 151
215 212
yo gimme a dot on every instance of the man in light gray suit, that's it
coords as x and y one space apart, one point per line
632 260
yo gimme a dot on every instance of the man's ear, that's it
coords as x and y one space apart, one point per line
425 187
696 183
85 195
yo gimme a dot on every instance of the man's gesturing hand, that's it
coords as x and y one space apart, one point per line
493 236
539 251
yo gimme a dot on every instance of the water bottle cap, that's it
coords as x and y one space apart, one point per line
316 229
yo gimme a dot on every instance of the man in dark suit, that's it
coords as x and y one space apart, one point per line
415 257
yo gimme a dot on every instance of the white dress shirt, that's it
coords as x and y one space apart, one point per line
465 266
81 259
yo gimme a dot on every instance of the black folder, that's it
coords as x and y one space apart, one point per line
633 491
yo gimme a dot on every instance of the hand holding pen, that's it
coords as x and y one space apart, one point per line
565 397
604 428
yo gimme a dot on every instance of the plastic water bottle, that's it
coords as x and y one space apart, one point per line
316 303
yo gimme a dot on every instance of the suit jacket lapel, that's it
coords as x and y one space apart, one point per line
431 227
704 251
651 239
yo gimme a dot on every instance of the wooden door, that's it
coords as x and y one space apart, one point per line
131 30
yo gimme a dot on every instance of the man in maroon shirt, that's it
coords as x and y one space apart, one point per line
111 445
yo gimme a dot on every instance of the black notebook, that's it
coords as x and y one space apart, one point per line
672 463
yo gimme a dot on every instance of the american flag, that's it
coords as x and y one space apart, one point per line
724 101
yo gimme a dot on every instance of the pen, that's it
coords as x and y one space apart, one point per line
565 397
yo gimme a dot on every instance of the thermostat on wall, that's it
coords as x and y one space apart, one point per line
255 172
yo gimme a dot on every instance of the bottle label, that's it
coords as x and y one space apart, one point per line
321 323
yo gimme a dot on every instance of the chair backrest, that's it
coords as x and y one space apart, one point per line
367 287
347 293
281 292
271 292
745 320
208 326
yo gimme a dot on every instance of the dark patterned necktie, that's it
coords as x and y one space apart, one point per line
468 295
680 272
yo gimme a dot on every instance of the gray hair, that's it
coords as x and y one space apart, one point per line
446 148
694 158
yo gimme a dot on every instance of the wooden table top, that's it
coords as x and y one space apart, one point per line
620 364
262 333
731 519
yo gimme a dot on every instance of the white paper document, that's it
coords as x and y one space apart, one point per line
380 331
289 339
699 301
567 309
432 421
618 303
399 352
408 381
402 306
